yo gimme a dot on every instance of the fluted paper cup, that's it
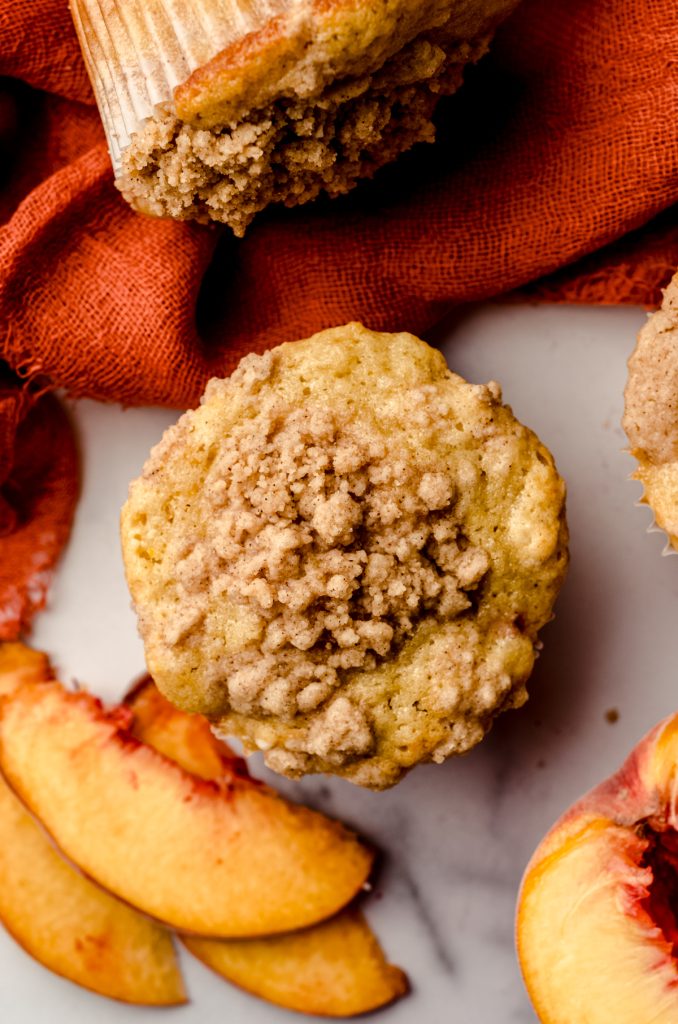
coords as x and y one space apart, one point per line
138 51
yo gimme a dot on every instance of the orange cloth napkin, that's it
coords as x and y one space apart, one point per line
561 145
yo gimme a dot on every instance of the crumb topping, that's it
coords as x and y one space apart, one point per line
338 546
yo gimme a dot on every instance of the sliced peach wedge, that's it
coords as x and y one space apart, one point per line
597 922
335 968
63 920
184 738
20 664
224 858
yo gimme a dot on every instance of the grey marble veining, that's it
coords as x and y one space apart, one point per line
455 837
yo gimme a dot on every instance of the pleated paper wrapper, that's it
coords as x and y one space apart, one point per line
138 51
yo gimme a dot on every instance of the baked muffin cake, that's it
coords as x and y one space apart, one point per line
215 108
344 556
651 411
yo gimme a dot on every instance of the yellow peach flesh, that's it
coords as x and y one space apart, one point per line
335 968
20 664
184 738
63 920
596 925
224 859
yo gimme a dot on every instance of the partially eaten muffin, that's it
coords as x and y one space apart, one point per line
344 555
214 110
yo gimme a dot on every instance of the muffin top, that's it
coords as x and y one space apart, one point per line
344 554
651 411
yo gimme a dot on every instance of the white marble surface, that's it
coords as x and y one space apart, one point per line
456 837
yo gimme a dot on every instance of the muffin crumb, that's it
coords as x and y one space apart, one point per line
295 148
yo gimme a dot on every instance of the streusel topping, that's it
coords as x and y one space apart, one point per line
338 547
344 554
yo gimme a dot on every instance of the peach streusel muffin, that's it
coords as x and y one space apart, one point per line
651 411
344 555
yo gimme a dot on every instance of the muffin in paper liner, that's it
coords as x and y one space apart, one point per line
215 108
651 413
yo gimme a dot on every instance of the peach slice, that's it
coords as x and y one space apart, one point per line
184 738
66 922
597 921
20 664
74 927
224 858
335 969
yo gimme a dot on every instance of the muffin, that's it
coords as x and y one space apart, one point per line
217 108
651 412
344 555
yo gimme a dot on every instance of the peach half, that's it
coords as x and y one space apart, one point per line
64 921
335 968
597 920
227 858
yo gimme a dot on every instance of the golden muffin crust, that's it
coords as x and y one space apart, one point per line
304 45
344 555
651 411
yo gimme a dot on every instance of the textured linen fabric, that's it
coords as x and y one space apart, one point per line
562 142
39 470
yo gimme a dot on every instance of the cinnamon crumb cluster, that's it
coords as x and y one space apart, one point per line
338 546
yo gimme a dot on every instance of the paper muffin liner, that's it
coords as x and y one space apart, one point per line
138 51
653 526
